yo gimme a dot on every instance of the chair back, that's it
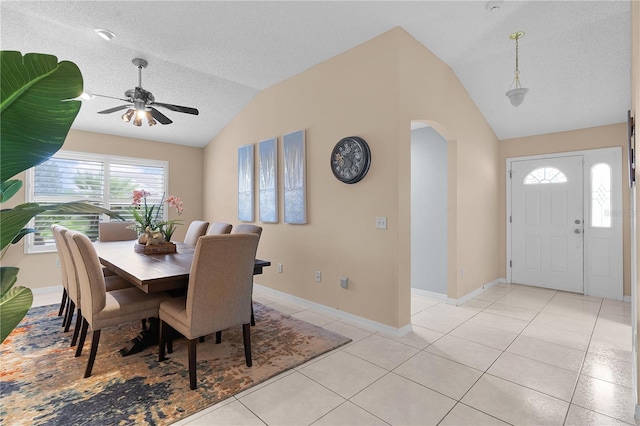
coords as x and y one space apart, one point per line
245 228
68 263
219 228
93 294
221 282
60 242
116 231
197 228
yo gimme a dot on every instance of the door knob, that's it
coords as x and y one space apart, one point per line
577 231
577 222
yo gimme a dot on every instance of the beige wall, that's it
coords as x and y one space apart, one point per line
373 91
185 181
597 137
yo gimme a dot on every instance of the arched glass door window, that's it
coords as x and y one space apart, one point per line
545 175
601 195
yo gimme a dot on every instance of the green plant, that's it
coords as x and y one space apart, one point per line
37 110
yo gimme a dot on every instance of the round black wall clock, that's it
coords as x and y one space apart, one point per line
350 159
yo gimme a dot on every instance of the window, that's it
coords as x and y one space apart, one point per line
601 195
104 181
545 175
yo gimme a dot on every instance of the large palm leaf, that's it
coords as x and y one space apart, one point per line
37 111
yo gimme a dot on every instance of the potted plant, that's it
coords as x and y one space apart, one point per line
37 110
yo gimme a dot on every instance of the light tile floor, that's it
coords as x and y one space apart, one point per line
513 355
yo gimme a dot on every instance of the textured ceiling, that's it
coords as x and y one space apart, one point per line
217 56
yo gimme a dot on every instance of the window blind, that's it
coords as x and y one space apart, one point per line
104 181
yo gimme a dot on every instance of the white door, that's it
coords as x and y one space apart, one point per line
547 227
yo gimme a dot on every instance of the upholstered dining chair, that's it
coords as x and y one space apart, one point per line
70 273
245 228
101 308
218 295
116 231
197 228
65 302
219 228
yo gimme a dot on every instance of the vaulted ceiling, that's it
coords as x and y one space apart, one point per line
217 56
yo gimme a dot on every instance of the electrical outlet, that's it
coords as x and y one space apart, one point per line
318 276
344 282
279 268
57 263
381 222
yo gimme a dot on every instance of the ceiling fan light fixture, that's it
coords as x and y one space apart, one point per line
137 121
516 95
105 34
126 117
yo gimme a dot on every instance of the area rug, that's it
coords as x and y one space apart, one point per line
41 380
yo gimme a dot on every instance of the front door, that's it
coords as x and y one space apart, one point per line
547 243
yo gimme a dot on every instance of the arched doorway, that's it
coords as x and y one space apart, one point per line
429 211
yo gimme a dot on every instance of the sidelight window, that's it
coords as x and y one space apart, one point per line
601 195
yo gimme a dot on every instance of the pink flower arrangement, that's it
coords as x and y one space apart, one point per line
147 217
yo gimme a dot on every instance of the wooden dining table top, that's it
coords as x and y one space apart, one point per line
156 271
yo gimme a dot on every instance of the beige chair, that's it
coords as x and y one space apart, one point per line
197 229
67 262
101 308
116 231
219 228
244 228
218 295
65 303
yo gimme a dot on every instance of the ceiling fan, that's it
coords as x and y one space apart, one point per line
141 103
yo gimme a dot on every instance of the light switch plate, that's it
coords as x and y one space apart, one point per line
381 222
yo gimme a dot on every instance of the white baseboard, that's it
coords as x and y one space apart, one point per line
474 293
355 319
429 294
47 290
637 413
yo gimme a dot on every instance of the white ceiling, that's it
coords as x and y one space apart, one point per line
217 56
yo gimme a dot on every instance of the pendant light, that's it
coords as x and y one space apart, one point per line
516 95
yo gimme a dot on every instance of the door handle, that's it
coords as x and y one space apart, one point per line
577 222
577 231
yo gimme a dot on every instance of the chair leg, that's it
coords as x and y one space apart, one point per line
162 341
83 336
253 318
218 337
76 329
92 355
69 316
192 363
66 312
63 303
246 333
201 339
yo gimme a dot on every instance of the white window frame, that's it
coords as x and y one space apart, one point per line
107 160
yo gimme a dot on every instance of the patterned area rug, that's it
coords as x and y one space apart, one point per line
41 380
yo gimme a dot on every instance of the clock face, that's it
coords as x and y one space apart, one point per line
350 159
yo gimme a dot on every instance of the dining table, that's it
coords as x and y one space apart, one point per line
152 273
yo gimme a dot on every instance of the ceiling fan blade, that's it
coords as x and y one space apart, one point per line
110 97
178 108
114 109
163 119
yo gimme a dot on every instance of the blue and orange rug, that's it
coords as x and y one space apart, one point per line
41 380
